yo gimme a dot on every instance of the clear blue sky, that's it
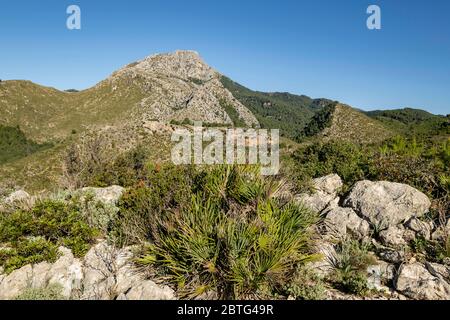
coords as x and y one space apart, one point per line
320 48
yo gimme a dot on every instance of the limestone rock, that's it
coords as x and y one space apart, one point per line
393 256
324 195
393 237
330 184
416 282
439 270
99 269
341 220
17 196
380 275
148 290
421 228
13 284
387 203
109 195
67 272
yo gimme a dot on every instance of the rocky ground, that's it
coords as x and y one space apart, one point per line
388 216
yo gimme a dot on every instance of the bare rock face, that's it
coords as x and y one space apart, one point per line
340 221
325 193
387 203
416 282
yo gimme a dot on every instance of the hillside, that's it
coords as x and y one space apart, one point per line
343 123
414 122
288 112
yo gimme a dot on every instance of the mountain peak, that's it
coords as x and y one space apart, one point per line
184 64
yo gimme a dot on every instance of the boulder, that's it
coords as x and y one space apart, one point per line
387 203
393 237
99 272
379 275
17 197
109 195
148 290
67 272
421 228
330 184
416 282
324 194
338 221
15 283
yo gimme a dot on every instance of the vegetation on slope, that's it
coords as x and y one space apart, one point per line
343 123
287 112
414 122
15 145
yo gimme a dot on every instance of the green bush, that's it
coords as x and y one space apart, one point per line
306 285
141 206
51 292
33 236
347 160
15 145
27 251
232 237
350 266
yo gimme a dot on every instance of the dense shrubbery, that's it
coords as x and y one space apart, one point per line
14 144
223 230
141 206
34 236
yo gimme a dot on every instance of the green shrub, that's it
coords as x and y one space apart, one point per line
306 285
51 292
141 206
15 145
350 266
27 251
33 236
347 160
232 237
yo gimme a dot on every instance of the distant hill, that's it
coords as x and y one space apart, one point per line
413 122
288 112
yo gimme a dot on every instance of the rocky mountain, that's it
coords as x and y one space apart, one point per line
161 87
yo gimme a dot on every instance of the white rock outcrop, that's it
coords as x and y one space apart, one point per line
387 203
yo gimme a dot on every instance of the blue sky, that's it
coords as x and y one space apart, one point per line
320 48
